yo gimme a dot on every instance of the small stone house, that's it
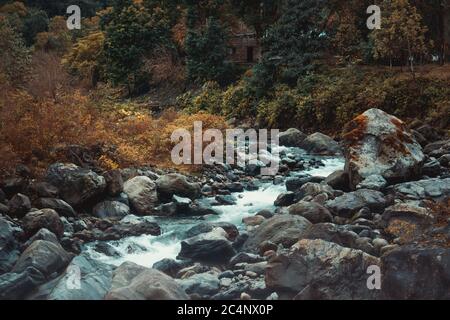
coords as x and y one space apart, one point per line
244 47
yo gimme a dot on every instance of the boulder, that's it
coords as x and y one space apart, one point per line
44 218
63 208
46 257
294 183
212 247
350 203
42 234
283 229
19 205
373 182
114 182
133 282
177 184
45 190
205 227
338 180
84 279
111 209
320 144
9 247
377 143
312 211
291 138
203 285
437 149
284 199
435 188
411 273
142 194
76 185
170 267
317 269
14 286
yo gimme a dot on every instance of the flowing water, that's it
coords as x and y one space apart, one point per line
146 250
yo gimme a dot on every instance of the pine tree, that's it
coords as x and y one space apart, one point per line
292 44
131 33
206 50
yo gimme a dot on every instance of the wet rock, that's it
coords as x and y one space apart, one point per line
318 143
212 247
60 206
226 199
253 221
338 180
132 282
106 249
373 182
350 203
176 184
114 182
141 192
76 185
312 211
294 183
42 234
312 190
317 269
204 285
291 138
111 209
205 227
9 246
411 273
170 267
46 257
282 229
285 199
84 279
429 188
19 206
14 286
377 143
265 213
44 218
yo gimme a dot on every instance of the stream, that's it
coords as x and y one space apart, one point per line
145 250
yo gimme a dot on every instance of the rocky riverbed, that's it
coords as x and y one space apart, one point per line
379 197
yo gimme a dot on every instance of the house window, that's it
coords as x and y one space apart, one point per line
250 57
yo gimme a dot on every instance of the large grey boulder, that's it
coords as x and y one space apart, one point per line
283 229
76 185
291 138
212 247
176 184
133 282
203 285
376 143
321 144
141 192
83 279
429 188
111 209
19 205
317 269
350 203
312 211
46 257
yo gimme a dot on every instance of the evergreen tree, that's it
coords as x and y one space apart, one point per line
206 50
132 32
292 44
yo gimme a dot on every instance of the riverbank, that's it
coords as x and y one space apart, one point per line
377 198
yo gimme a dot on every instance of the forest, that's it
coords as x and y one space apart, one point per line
137 68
